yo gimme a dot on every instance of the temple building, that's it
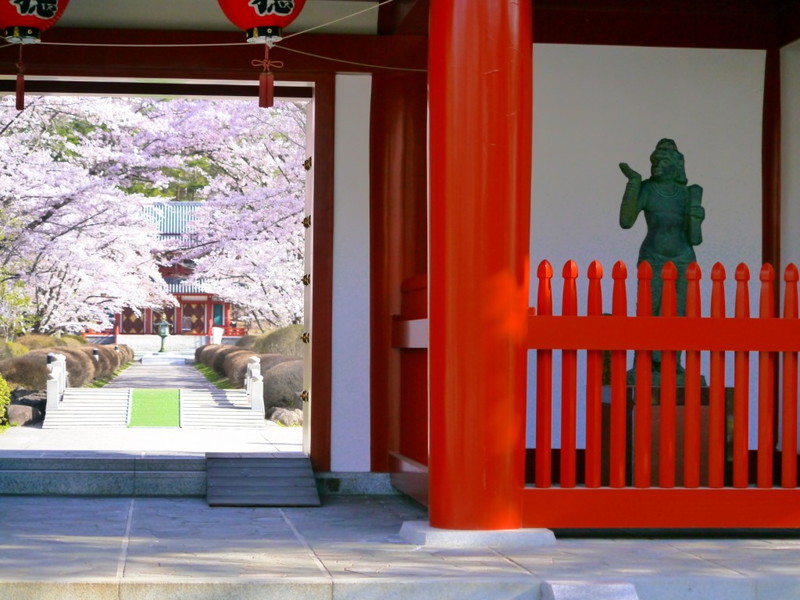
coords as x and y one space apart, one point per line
197 312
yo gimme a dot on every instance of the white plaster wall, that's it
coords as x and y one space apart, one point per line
597 106
350 398
790 154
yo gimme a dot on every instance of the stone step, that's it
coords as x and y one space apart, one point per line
109 407
260 480
88 407
219 408
76 474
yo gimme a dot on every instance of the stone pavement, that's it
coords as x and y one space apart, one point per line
146 548
349 548
160 376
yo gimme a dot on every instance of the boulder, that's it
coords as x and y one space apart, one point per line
286 416
26 408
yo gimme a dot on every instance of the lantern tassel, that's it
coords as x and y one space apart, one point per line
266 81
20 82
266 89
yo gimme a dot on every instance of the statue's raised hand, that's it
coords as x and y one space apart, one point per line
629 173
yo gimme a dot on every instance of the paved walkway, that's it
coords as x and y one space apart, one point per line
161 376
180 548
146 548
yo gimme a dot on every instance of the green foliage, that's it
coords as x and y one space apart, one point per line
286 340
185 183
12 349
5 399
15 317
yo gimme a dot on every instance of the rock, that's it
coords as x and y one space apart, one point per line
286 416
22 414
26 407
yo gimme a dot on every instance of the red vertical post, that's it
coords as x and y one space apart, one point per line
667 393
716 403
480 85
619 400
789 395
741 386
398 243
691 432
544 384
594 380
643 439
569 383
766 385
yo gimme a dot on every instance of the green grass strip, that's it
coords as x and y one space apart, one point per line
155 408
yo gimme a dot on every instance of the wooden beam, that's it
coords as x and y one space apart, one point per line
116 55
667 24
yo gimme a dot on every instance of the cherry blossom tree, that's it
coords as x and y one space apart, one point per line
75 243
248 237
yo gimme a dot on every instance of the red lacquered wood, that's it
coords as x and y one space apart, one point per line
716 408
766 385
594 381
666 475
480 115
789 395
618 433
663 508
691 434
741 393
544 384
569 383
642 440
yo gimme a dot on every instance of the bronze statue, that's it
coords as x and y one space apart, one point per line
673 214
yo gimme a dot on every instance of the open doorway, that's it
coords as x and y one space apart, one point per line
209 292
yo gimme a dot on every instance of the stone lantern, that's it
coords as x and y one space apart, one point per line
162 329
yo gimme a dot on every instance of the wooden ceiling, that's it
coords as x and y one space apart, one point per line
393 35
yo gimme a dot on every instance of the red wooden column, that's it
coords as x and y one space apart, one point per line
480 85
398 242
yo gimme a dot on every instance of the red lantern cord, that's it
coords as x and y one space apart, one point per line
20 82
266 81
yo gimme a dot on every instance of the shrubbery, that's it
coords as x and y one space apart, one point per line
35 341
30 372
5 398
12 349
286 340
281 368
283 384
246 341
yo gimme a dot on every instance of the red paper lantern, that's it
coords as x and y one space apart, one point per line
22 21
261 19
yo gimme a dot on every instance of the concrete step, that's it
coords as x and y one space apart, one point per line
109 407
88 407
260 480
82 474
220 408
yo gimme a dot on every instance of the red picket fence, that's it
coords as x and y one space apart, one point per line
666 455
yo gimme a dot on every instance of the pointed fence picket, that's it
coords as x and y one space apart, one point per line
701 471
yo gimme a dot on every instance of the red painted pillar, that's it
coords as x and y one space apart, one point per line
398 244
480 74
